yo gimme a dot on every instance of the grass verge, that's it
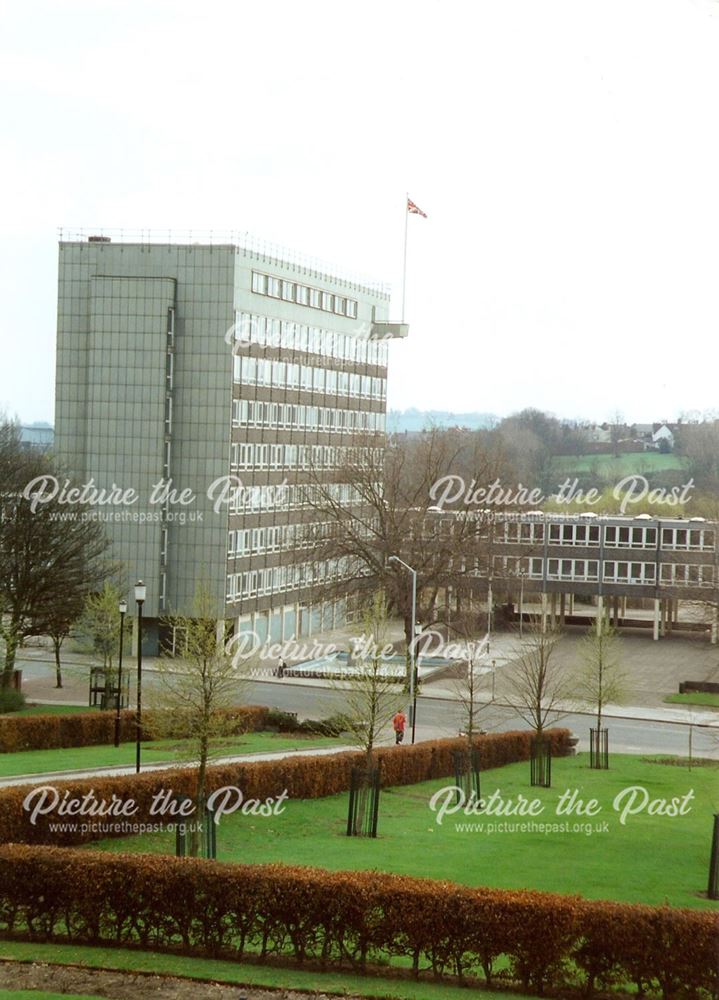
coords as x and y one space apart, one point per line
695 698
246 974
160 751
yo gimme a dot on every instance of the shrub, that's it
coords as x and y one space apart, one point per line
11 700
50 732
548 942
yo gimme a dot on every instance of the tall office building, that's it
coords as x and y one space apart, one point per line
215 381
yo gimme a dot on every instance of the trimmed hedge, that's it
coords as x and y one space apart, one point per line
341 919
51 732
309 777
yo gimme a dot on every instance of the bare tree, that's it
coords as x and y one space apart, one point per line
600 679
46 556
469 688
372 694
389 501
537 682
197 689
617 431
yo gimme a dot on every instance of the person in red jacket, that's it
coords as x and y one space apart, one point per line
398 724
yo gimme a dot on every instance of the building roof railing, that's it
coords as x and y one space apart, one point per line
246 243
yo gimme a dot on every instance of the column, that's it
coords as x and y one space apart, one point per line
600 613
715 626
657 614
562 608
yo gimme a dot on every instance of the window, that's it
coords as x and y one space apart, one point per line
288 291
273 287
632 538
629 572
328 301
315 298
302 294
572 534
687 575
259 283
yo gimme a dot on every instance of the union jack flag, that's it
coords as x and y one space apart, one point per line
414 209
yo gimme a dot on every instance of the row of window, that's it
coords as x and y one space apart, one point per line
284 374
615 536
292 496
269 331
299 416
244 542
303 295
301 456
294 576
613 571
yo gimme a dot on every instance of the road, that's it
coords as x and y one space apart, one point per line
441 717
438 717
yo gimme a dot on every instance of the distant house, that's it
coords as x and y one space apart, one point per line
664 433
599 433
38 435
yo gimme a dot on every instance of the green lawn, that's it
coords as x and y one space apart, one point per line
625 464
651 859
695 698
51 710
77 758
245 974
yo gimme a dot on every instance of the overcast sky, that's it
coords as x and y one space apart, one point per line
566 153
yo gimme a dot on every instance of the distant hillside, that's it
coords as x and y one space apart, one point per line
399 421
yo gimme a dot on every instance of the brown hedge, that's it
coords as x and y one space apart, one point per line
307 777
348 919
50 732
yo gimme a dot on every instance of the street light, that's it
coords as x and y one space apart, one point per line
412 686
122 607
521 602
140 594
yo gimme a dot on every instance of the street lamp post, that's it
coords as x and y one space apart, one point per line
122 607
140 594
412 686
521 602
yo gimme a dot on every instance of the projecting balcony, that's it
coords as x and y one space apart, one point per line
388 331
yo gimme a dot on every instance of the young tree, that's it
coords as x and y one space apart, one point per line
600 681
100 623
197 688
470 689
600 678
538 684
60 621
373 696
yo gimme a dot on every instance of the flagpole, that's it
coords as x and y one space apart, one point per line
404 263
